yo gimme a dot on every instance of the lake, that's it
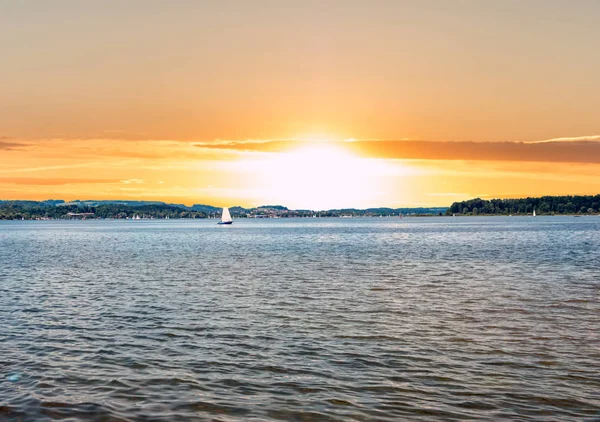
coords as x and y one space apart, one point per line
301 319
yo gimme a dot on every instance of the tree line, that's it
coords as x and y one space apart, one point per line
548 205
58 209
30 210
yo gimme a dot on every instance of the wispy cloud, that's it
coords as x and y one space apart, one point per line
590 138
568 150
6 145
46 168
39 181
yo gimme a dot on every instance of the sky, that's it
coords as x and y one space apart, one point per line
310 104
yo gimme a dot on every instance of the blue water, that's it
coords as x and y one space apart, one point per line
301 319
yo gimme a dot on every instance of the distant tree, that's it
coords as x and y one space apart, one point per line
543 208
543 205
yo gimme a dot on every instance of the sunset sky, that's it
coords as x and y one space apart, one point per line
309 104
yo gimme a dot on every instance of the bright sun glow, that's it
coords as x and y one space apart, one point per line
322 177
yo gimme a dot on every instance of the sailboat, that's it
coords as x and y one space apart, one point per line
225 217
533 213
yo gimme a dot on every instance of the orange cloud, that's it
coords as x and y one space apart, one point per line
568 139
558 151
252 172
6 145
38 181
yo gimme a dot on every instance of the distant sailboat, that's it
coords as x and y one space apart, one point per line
533 213
225 217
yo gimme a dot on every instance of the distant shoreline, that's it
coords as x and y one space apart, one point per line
297 218
545 205
58 209
135 209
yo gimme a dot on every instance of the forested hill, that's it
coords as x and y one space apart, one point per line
587 204
30 210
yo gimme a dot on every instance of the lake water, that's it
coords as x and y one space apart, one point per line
301 319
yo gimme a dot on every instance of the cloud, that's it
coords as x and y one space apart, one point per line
86 149
253 145
39 181
46 168
567 150
576 152
90 152
6 145
590 138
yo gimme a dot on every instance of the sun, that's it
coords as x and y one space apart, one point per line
321 177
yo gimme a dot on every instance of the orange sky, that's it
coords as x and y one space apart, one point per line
446 101
299 174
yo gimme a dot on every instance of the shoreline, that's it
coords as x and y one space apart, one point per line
300 217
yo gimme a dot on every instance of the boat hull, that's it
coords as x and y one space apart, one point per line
225 222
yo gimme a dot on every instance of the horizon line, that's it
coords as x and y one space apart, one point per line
295 209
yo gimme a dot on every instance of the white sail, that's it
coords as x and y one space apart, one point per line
225 216
534 213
